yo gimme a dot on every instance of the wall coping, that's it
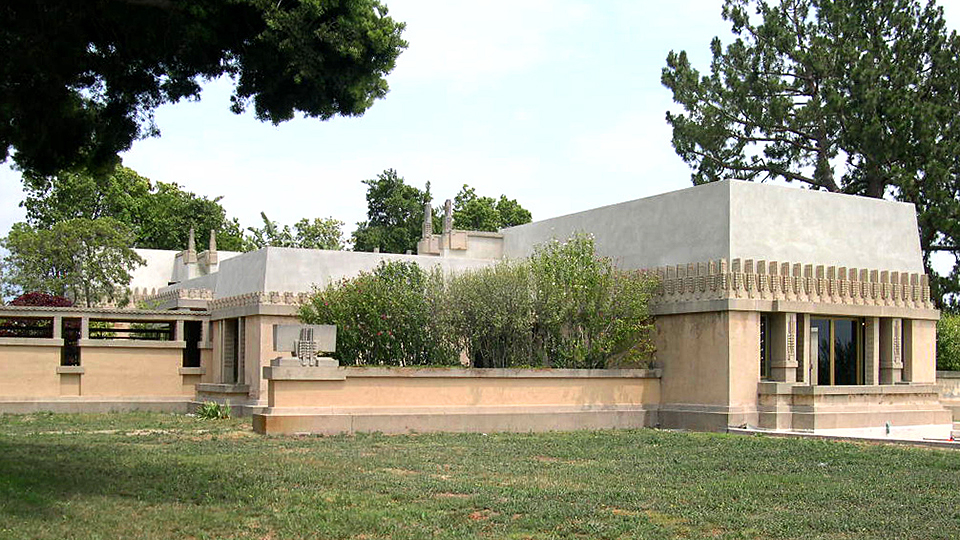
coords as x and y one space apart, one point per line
107 313
777 388
948 374
784 306
481 373
132 343
31 342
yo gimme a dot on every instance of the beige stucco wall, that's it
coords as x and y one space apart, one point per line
920 350
259 353
948 384
743 327
692 349
206 362
131 372
710 363
445 388
29 370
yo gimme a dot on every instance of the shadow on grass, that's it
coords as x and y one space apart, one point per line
35 478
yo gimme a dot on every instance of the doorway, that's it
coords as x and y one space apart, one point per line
840 351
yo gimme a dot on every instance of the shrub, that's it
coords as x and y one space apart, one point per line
41 299
589 313
490 310
386 317
211 410
27 327
563 307
948 342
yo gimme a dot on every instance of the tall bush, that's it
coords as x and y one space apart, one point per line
490 311
385 317
948 342
588 312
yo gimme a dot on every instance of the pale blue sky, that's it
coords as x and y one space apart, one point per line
556 103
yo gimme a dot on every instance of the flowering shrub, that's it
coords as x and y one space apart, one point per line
948 342
385 317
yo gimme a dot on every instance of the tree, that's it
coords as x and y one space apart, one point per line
88 260
160 215
394 215
474 213
841 95
321 233
79 81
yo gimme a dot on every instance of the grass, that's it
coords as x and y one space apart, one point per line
167 476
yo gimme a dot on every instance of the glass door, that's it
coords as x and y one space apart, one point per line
839 355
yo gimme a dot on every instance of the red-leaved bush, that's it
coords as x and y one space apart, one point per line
41 299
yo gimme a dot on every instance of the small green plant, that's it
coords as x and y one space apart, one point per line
948 342
211 410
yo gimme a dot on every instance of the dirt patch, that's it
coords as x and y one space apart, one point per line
482 515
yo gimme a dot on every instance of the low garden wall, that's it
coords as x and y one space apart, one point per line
331 400
948 385
93 360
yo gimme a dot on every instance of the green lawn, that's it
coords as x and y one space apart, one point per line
166 476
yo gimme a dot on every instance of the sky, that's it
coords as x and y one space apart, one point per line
557 104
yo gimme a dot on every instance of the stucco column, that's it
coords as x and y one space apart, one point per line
85 328
783 350
178 331
891 342
813 345
871 351
803 348
57 327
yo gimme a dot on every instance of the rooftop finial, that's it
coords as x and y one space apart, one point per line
213 240
192 242
447 216
427 220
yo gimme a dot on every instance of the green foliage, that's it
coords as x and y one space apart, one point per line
948 342
564 307
474 213
321 233
589 314
88 260
394 215
841 95
160 215
211 410
491 312
80 81
386 317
